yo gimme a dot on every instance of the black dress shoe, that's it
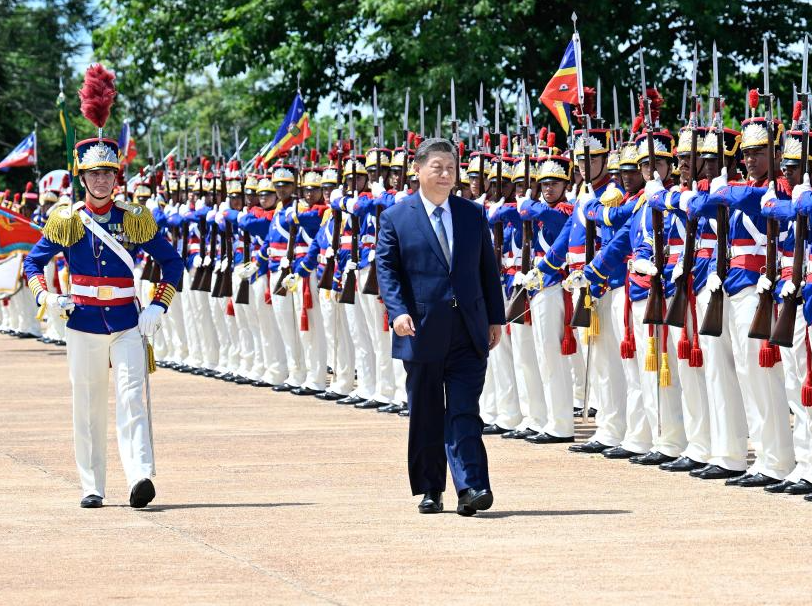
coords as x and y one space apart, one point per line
61 343
142 493
518 434
240 380
618 452
368 404
283 387
493 430
350 401
779 487
260 383
91 501
578 412
682 464
199 372
592 447
161 364
432 502
545 438
185 368
305 391
404 412
808 497
27 335
652 458
389 408
734 481
399 408
210 373
758 480
716 472
228 377
800 487
329 396
472 501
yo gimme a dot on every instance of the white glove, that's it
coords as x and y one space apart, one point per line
56 302
686 197
150 319
801 189
481 200
570 196
522 200
788 289
197 261
677 271
400 195
291 282
533 279
152 203
769 195
719 182
458 193
337 193
349 203
206 261
241 214
351 266
714 282
284 263
220 219
329 253
644 266
377 188
224 206
588 194
518 278
223 264
764 284
652 187
576 280
371 256
210 215
495 206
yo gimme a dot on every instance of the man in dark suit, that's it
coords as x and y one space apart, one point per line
439 281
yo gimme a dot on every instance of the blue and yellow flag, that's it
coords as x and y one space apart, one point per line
294 130
562 89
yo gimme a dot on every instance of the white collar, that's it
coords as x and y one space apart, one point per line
430 206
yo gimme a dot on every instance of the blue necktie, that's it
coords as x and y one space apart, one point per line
439 230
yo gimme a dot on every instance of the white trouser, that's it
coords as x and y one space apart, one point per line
794 359
607 382
338 341
51 313
576 367
726 419
528 381
88 358
179 348
508 411
364 350
256 363
218 318
234 341
288 323
273 349
373 310
26 308
194 356
662 405
765 401
694 399
245 329
547 311
312 339
208 336
487 400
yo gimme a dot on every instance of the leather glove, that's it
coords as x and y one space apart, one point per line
56 302
575 281
653 187
764 284
644 266
677 271
788 289
150 319
801 189
686 197
714 282
719 182
377 188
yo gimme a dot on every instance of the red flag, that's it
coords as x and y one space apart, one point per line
16 232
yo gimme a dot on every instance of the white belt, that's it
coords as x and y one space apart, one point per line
676 249
706 243
576 258
787 261
298 250
102 293
346 239
756 249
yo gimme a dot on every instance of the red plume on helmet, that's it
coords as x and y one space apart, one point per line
588 108
29 187
551 140
314 155
65 181
543 134
97 94
638 122
655 100
752 98
461 149
796 111
170 163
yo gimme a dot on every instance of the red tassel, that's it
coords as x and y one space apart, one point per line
628 347
806 390
507 330
684 345
307 297
230 307
267 296
385 320
766 355
528 319
569 345
304 323
696 360
503 143
776 349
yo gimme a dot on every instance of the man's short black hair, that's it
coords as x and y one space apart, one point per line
433 145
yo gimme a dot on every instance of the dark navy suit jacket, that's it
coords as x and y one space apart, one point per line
415 279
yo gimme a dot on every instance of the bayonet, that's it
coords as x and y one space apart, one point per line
453 104
437 129
614 109
496 113
684 97
422 118
406 112
598 114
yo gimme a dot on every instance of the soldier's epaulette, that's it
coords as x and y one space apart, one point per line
328 214
612 197
640 201
139 224
64 226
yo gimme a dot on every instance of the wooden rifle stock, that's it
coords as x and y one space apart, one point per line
517 309
350 278
371 286
328 275
218 280
205 283
197 279
712 325
656 296
290 255
245 284
581 313
227 253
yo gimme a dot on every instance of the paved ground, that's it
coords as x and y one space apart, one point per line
279 499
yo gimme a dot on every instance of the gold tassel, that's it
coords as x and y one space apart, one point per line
594 322
665 372
64 227
151 292
584 335
41 311
151 366
651 356
139 225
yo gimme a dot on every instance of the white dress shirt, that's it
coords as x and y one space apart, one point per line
446 217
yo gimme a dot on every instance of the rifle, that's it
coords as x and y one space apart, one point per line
712 325
149 265
327 276
293 234
761 326
498 226
518 308
656 297
350 278
218 281
784 329
678 310
371 286
198 282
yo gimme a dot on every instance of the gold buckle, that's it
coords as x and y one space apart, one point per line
104 293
